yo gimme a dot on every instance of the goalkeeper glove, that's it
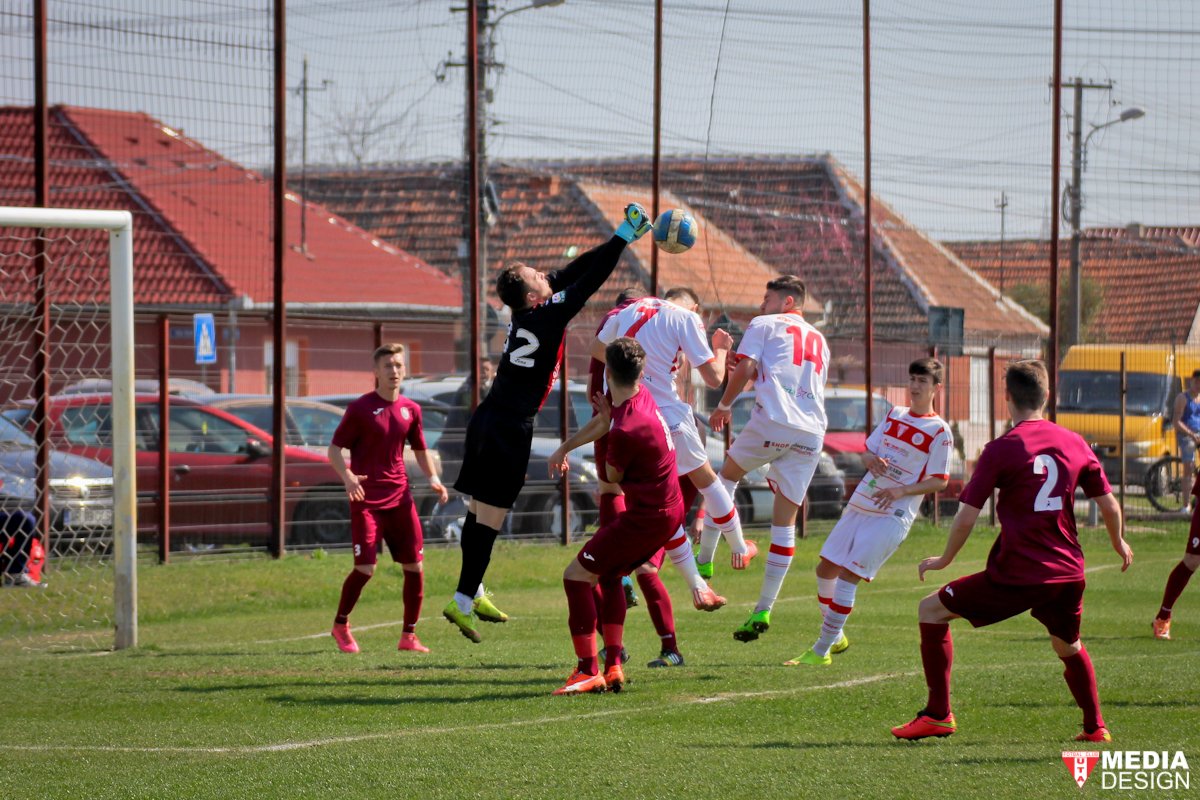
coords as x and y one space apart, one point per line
637 223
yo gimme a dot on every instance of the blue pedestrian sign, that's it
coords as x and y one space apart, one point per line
204 334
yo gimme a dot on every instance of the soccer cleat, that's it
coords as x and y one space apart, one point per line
465 622
924 726
706 599
614 678
1162 628
631 598
1098 735
705 570
758 623
581 682
811 659
667 658
636 223
486 610
344 638
742 560
409 641
841 645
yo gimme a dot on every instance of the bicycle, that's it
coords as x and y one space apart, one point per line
1164 485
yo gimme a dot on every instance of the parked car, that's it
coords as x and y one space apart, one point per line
220 470
81 492
141 386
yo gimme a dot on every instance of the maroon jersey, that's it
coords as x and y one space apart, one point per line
640 445
374 431
1036 466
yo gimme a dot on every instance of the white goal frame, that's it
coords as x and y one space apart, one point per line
119 225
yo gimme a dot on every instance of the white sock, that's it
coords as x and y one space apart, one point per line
835 617
710 537
463 602
779 559
479 592
679 550
825 588
721 511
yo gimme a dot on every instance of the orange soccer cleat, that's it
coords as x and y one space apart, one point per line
614 678
409 641
344 638
1098 735
1162 628
924 726
706 599
581 682
741 561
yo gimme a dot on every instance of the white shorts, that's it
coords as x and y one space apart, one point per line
792 454
862 543
690 454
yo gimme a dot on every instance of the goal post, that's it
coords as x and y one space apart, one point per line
119 225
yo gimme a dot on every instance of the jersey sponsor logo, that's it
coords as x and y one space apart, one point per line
908 434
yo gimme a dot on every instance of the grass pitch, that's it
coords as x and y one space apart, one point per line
237 691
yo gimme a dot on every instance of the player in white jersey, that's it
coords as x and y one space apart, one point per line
666 328
788 360
907 457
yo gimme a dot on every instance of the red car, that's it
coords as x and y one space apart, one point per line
220 470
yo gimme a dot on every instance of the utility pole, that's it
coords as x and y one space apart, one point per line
1075 198
1002 204
303 89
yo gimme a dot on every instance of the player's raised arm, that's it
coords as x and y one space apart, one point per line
580 279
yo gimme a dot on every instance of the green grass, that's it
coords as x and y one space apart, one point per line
235 693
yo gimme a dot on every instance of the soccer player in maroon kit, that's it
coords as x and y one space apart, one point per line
1036 563
1177 581
374 429
640 456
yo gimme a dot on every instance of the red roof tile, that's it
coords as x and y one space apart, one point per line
1188 235
1151 293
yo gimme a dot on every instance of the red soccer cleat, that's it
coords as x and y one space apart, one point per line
706 599
1162 628
409 641
344 638
742 561
581 682
924 726
1098 735
614 678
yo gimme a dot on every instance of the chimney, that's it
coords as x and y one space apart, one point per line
1135 230
547 185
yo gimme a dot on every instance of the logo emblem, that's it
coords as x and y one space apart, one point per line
589 556
405 413
377 412
1081 764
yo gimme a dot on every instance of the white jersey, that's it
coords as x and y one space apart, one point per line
793 363
916 448
664 330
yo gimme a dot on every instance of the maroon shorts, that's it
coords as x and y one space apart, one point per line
398 526
981 601
1193 543
629 541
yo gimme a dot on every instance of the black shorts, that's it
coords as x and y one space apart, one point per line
495 456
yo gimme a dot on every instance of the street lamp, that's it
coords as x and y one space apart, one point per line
1075 197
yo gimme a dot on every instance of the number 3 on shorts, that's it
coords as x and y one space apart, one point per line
357 550
1044 464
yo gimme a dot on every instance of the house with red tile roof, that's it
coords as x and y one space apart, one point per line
203 242
1149 285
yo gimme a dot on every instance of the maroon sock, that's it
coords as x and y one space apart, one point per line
689 492
612 615
658 603
581 621
598 600
937 656
351 589
1176 581
414 593
1081 678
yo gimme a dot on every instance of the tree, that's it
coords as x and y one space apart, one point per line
1035 298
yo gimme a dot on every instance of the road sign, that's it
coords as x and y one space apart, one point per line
204 334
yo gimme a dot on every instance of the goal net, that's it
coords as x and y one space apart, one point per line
67 504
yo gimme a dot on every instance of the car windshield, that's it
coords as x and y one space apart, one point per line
850 413
12 437
1096 392
315 424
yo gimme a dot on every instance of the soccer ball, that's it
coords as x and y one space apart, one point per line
675 231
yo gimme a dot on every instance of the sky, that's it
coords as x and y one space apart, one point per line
961 98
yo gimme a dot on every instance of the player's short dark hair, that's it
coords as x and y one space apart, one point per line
789 285
626 359
1196 373
927 366
676 292
629 293
392 349
511 287
1028 384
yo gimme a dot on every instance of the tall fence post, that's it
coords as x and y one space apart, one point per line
1121 431
991 422
164 439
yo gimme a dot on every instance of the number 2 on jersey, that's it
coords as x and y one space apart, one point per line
520 356
1045 465
805 348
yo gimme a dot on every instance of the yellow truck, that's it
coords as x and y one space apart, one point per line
1089 401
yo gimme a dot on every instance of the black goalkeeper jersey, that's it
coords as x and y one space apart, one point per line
533 348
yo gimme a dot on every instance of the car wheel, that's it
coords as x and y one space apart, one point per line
322 522
745 506
548 517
